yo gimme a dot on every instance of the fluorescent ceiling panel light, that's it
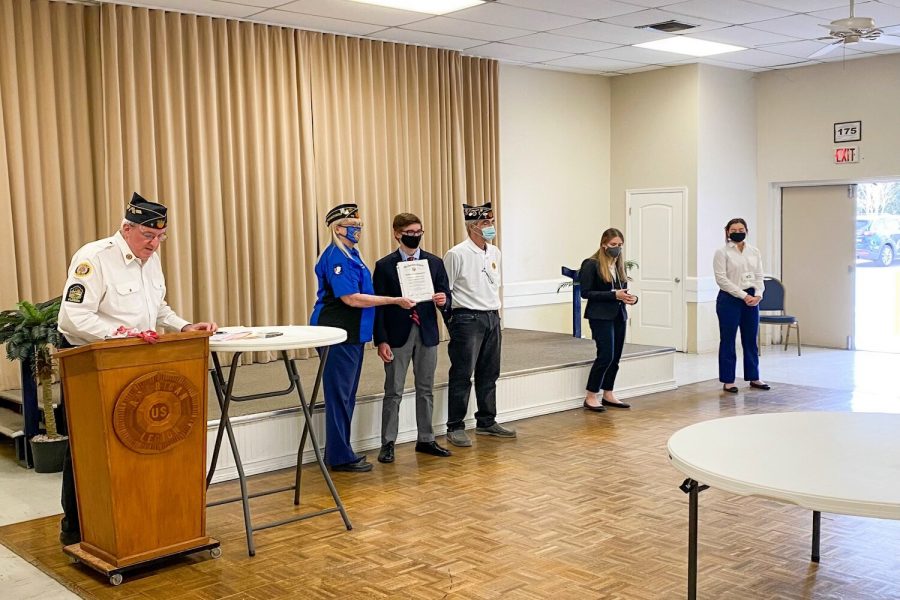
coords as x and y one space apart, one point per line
432 7
690 46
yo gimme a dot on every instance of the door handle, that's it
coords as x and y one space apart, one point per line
677 280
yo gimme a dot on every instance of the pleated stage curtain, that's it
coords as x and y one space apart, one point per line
247 132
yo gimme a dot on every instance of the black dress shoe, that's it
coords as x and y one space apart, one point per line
360 466
432 448
387 453
592 408
606 402
731 390
67 538
760 386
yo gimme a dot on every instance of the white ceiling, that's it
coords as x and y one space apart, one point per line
589 36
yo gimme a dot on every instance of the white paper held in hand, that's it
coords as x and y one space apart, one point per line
415 280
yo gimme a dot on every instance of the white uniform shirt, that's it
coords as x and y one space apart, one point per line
474 276
109 287
737 271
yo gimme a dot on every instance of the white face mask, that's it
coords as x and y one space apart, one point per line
489 232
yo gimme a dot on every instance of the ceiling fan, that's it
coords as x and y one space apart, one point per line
853 30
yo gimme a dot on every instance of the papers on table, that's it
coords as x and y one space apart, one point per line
415 280
243 334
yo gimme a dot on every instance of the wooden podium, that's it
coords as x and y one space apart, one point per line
137 433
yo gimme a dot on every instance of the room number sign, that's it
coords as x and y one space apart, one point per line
849 131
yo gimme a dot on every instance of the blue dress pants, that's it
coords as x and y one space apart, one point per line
734 314
340 379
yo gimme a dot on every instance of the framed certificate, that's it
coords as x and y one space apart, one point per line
849 131
415 280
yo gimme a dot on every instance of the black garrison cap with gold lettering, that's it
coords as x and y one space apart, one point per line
143 212
478 213
342 211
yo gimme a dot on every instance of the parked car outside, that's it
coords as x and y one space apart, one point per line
878 238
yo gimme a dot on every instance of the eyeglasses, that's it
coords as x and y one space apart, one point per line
161 237
418 233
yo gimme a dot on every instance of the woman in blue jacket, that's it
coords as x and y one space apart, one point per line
346 300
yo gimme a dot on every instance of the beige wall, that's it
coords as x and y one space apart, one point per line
654 134
796 111
554 185
726 187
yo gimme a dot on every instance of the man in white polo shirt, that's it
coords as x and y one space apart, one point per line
473 269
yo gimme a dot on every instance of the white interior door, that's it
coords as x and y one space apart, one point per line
655 239
818 261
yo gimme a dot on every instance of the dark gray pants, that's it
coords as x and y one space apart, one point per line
424 360
474 348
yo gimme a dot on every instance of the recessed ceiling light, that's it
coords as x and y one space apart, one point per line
690 46
432 7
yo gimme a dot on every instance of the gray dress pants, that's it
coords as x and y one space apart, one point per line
424 360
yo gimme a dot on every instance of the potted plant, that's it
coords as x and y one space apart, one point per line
29 332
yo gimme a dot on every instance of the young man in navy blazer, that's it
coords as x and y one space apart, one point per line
404 335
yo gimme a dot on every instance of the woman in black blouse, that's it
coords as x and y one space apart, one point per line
605 287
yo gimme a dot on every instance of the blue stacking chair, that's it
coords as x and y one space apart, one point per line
773 302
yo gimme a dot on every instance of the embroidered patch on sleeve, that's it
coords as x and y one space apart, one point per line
83 270
75 293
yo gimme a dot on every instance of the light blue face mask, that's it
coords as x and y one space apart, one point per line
352 233
489 233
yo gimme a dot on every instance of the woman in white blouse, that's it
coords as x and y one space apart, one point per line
739 275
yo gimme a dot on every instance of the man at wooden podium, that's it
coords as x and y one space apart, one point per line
116 282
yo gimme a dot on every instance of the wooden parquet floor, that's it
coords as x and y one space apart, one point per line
581 506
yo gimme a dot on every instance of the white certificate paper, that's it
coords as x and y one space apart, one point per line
415 280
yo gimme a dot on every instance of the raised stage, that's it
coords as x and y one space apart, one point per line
541 373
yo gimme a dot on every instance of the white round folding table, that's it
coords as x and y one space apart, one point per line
281 339
836 462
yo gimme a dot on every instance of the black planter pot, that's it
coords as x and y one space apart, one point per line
48 455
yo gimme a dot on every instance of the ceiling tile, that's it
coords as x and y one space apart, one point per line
884 14
586 9
798 26
757 58
292 19
639 55
744 36
729 11
653 3
714 62
802 6
800 49
652 16
642 69
586 61
614 34
422 38
469 29
547 67
560 43
204 7
513 16
354 11
507 52
257 3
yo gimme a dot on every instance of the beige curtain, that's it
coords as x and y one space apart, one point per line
249 133
47 182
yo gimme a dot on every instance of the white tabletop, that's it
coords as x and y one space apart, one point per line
836 462
292 337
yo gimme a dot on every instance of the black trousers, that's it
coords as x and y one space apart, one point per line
609 335
69 500
474 348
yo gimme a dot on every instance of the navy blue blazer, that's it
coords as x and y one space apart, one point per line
392 323
601 296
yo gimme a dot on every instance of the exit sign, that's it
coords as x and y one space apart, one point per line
848 154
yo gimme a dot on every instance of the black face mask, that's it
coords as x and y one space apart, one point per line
613 252
737 236
411 241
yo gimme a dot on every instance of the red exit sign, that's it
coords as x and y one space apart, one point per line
848 154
